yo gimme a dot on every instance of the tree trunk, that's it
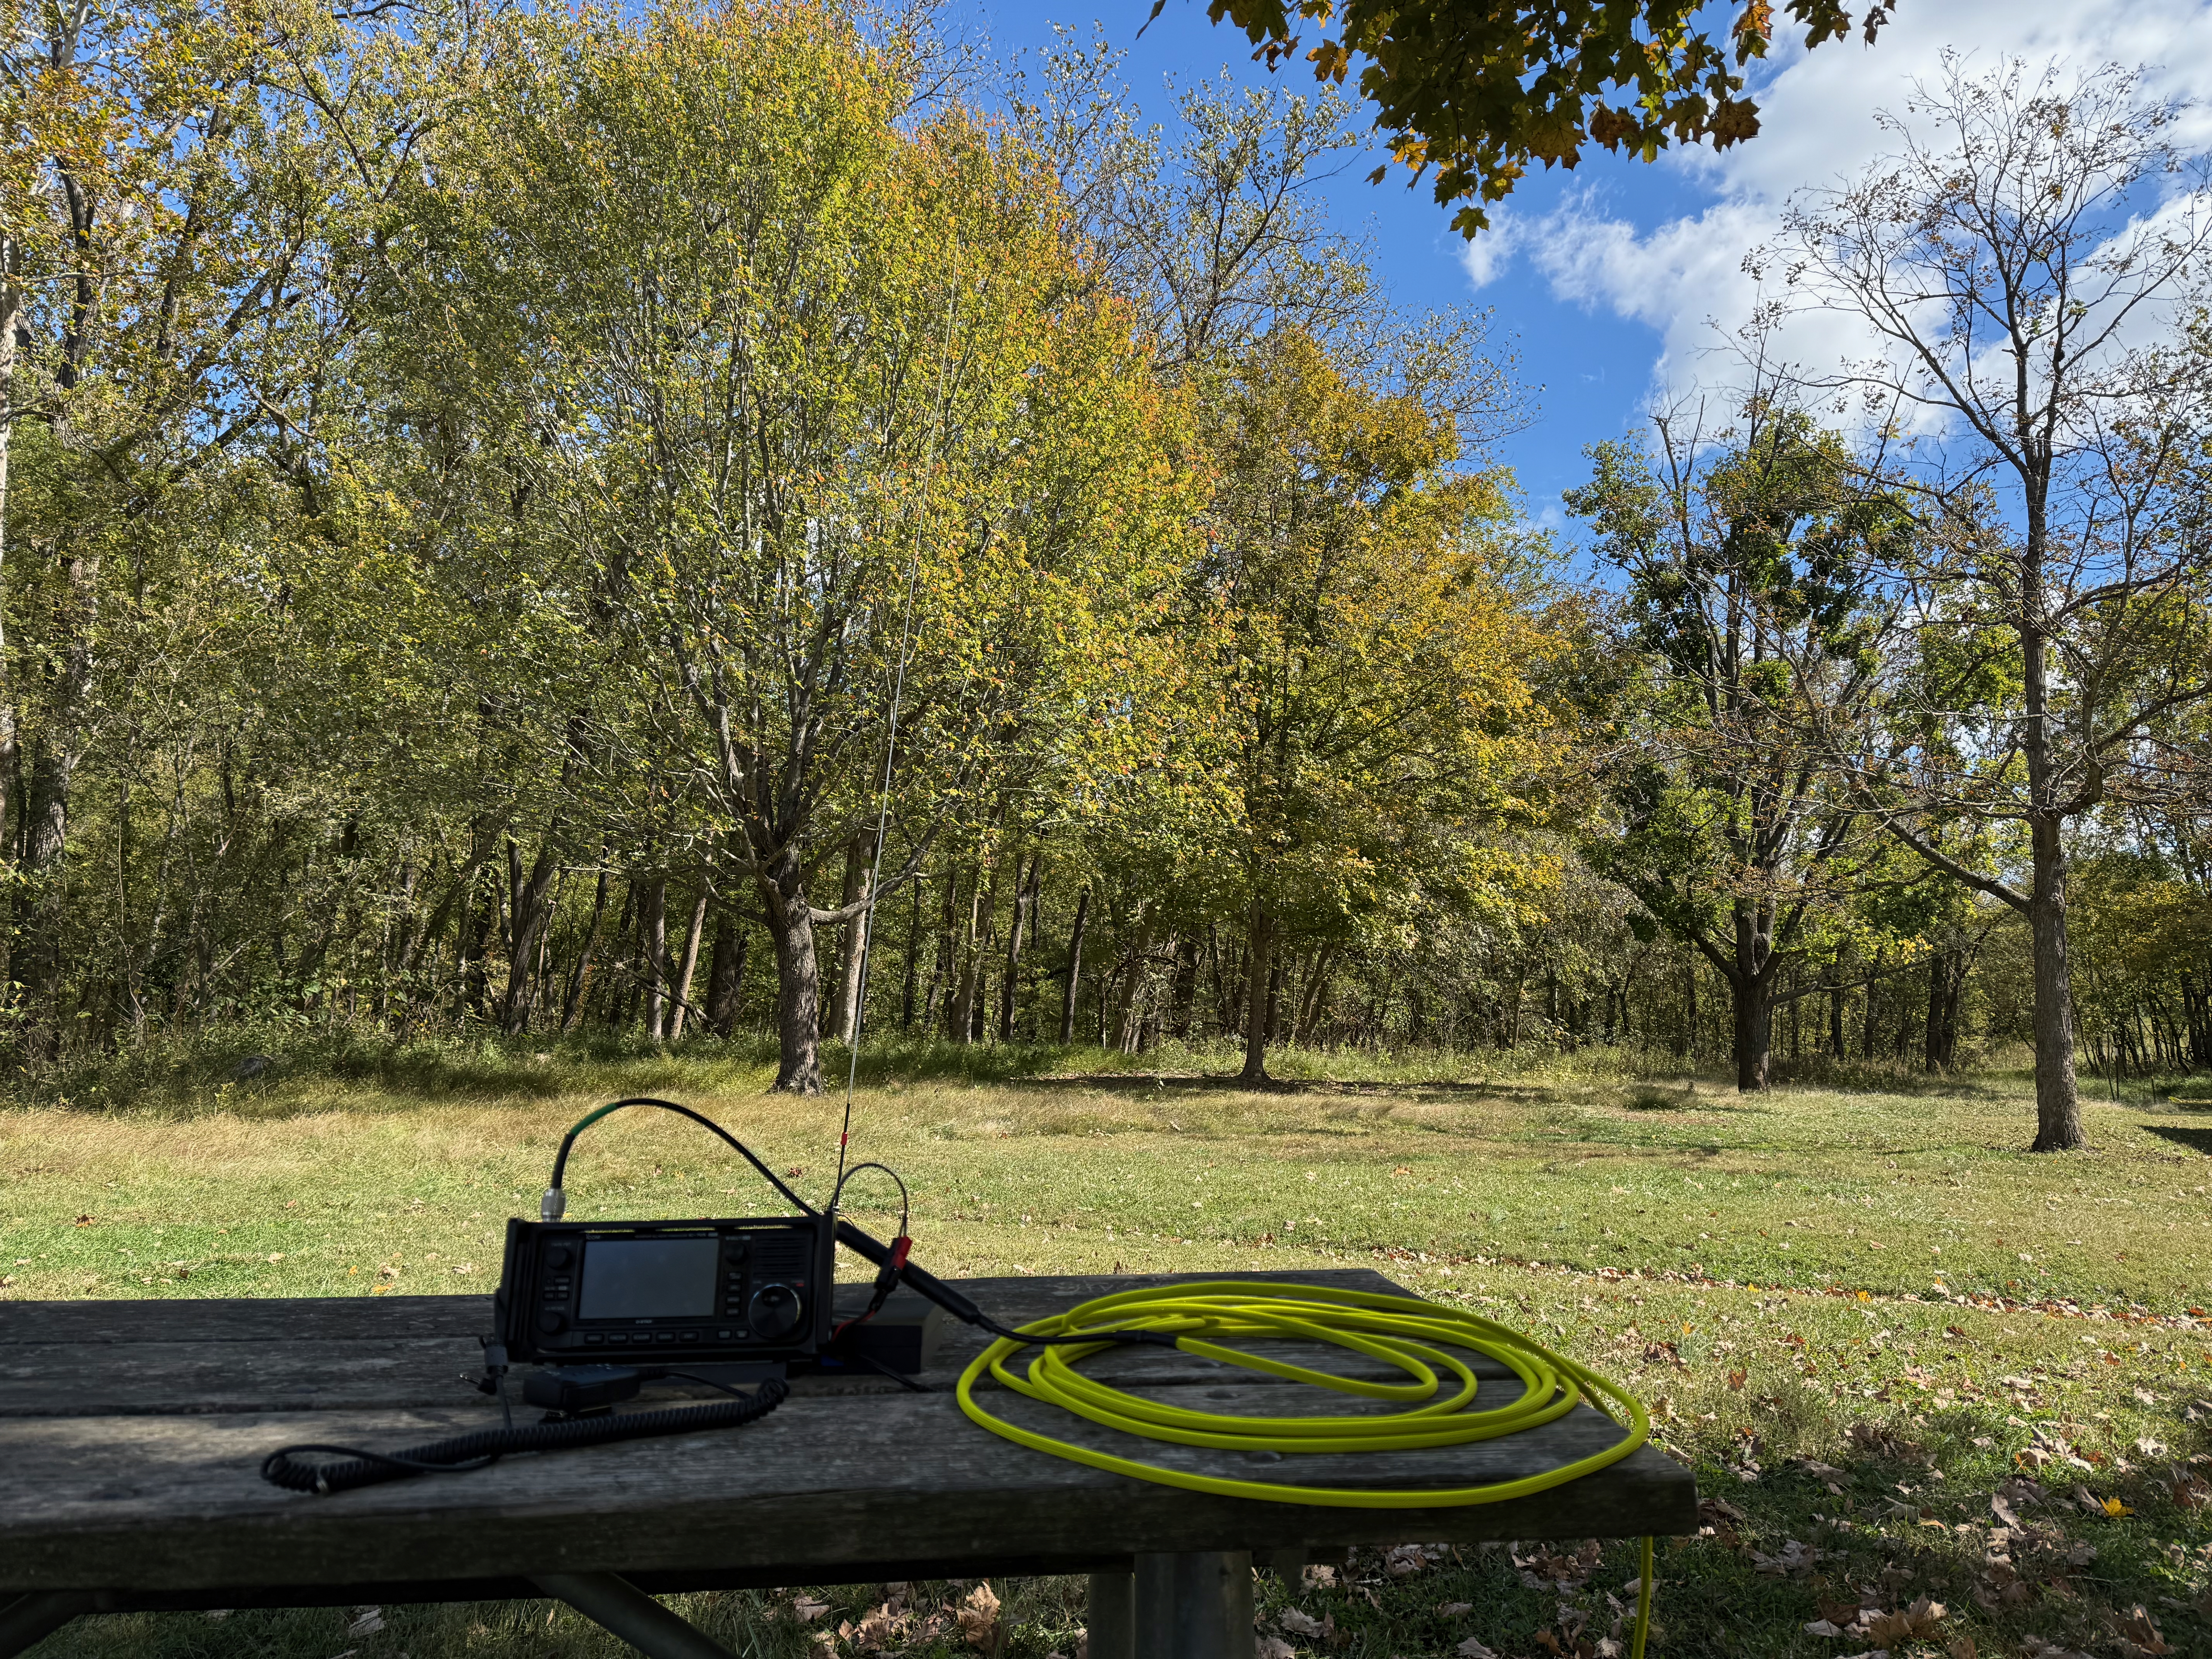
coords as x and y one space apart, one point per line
476 924
579 977
1136 987
1315 997
2057 1098
845 1004
726 974
1024 901
940 960
798 977
1754 1032
1182 997
1935 1053
913 956
1074 970
691 937
1260 981
53 755
652 927
2057 1102
529 917
11 756
960 1022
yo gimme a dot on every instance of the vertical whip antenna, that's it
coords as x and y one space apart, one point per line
876 871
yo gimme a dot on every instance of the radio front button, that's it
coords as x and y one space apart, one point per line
550 1322
558 1255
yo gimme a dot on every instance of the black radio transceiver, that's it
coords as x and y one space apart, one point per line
607 1306
667 1290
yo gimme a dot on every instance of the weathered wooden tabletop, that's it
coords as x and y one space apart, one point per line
132 1434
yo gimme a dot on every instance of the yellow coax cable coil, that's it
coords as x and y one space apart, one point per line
1416 1337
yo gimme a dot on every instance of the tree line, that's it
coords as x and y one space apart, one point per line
534 523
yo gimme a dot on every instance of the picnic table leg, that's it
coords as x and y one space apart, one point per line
29 1619
1109 1616
615 1604
1195 1606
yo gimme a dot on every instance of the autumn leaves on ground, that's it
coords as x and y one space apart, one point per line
1942 1396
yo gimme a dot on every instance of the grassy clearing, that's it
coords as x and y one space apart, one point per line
1765 1272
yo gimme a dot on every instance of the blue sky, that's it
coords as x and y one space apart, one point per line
1607 281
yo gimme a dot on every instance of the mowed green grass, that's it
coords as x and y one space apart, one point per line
1881 1281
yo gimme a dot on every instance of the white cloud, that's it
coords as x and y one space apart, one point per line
1684 276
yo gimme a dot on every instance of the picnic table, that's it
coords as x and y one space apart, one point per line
132 1432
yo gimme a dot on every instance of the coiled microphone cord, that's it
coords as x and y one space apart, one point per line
353 1466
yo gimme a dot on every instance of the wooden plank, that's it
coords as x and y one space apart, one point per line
242 1319
108 1358
154 1504
198 1379
313 1319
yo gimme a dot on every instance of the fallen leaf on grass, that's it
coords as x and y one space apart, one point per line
1795 1560
1542 1567
808 1608
882 1631
1821 1627
2036 1647
367 1623
1298 1623
1404 1559
1273 1647
1915 1623
1473 1649
979 1617
2138 1634
1321 1577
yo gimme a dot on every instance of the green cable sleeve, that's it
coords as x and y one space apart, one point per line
1418 1338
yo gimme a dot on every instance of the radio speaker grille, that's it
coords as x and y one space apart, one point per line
779 1255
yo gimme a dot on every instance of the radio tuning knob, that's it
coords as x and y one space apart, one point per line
774 1312
549 1321
556 1255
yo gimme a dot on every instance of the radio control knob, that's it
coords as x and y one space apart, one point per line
550 1322
557 1256
775 1311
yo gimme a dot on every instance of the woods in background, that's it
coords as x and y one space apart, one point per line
476 497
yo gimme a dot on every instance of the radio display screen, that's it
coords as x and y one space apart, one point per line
659 1277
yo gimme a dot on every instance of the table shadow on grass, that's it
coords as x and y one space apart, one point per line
2196 1139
